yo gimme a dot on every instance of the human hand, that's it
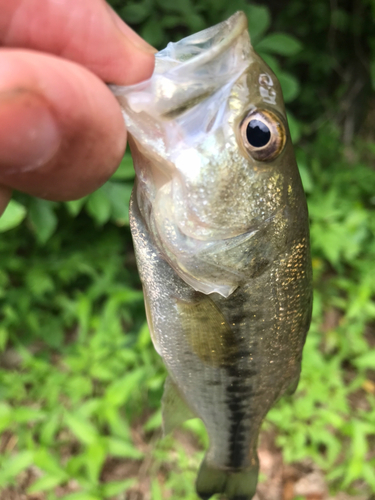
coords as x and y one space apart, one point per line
61 130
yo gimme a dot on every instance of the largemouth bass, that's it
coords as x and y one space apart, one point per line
220 229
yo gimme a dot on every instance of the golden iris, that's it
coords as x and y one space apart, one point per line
263 135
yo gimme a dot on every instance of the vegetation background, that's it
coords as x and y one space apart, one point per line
80 383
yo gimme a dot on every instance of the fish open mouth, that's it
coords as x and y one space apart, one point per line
183 70
201 48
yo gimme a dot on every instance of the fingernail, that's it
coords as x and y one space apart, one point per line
29 135
131 35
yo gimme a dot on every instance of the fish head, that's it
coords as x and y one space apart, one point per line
211 128
209 139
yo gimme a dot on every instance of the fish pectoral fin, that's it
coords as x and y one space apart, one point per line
174 409
207 332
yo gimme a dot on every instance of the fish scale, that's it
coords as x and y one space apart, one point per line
220 229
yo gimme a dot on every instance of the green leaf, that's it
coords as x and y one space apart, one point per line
3 338
39 281
306 178
120 390
26 414
294 128
153 32
99 206
80 495
156 491
340 19
43 219
144 337
95 457
83 313
280 43
368 474
74 207
290 86
367 360
135 12
5 416
81 428
359 449
117 487
123 449
119 195
272 62
182 6
154 422
195 22
170 21
15 465
360 444
125 171
196 426
46 483
259 20
45 460
12 216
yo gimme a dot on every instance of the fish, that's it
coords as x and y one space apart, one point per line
220 228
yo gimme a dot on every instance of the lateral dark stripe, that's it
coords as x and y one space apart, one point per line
239 392
242 390
213 383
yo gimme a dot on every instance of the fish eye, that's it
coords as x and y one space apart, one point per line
263 135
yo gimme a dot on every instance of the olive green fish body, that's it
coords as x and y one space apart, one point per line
231 358
220 229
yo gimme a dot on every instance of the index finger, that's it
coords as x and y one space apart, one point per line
90 134
88 32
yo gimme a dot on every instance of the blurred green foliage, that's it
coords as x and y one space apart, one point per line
79 378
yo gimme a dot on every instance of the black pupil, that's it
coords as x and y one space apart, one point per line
257 133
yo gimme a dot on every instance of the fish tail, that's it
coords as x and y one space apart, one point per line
235 485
